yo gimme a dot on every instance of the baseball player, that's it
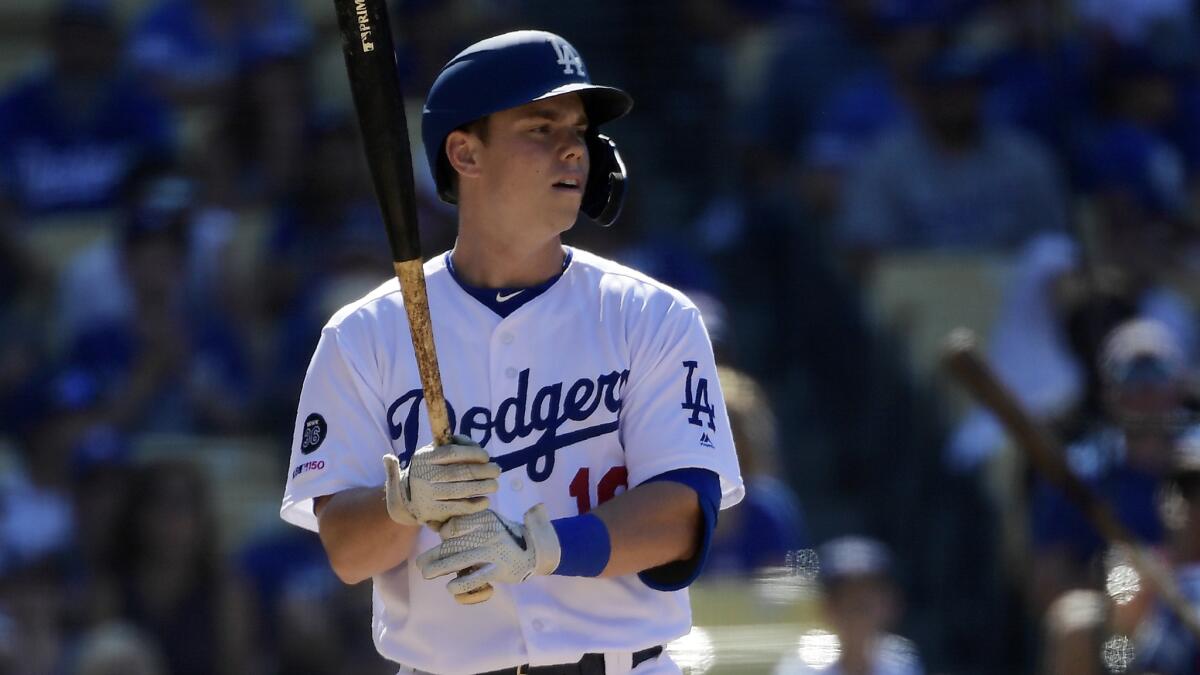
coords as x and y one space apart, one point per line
559 531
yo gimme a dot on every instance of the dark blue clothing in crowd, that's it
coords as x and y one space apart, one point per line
174 40
53 160
216 363
1132 494
1140 163
854 117
1163 644
767 526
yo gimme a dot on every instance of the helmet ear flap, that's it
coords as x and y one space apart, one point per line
605 191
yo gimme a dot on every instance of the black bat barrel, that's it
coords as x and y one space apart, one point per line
371 65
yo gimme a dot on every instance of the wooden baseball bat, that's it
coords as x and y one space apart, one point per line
961 357
371 66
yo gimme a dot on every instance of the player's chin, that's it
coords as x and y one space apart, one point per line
566 210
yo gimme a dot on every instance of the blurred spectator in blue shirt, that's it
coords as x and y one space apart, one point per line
767 525
165 361
1127 158
878 98
866 104
1137 180
1086 624
861 603
1035 68
1142 370
817 70
94 285
951 181
194 49
71 135
1162 643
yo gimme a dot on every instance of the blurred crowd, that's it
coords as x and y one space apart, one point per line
184 203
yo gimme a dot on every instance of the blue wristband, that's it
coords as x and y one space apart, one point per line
585 545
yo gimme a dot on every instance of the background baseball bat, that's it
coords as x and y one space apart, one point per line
371 66
961 357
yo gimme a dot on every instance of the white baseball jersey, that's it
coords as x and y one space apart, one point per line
603 381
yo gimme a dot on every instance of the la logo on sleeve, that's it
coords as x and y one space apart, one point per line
695 398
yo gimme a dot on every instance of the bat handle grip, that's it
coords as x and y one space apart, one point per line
411 274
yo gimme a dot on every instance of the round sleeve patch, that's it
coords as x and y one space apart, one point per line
313 434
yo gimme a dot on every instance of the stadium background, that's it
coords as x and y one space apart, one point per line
176 227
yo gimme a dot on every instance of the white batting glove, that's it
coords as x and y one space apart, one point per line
440 482
493 549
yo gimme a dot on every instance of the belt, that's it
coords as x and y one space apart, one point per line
590 664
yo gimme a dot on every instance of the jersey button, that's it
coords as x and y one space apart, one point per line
517 484
510 372
507 338
538 625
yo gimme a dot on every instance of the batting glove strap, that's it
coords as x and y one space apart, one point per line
439 483
494 549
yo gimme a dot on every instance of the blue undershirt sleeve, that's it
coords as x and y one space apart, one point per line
680 574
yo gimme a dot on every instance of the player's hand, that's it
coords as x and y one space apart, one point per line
440 482
493 549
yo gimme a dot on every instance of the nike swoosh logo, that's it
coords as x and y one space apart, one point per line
501 297
516 537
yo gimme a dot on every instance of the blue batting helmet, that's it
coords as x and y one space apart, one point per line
511 70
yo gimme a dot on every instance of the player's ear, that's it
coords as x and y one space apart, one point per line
462 151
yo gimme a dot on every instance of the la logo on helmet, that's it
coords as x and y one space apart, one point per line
568 58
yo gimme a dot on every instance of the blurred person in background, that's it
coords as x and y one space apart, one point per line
326 244
1035 67
767 525
1029 349
255 150
1162 644
948 182
95 284
319 630
308 622
163 359
53 434
1123 459
169 577
1152 639
1136 178
863 106
879 98
860 603
194 50
832 48
72 133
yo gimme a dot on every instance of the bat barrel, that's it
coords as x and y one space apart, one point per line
371 65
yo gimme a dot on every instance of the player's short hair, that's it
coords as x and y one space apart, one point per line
477 127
